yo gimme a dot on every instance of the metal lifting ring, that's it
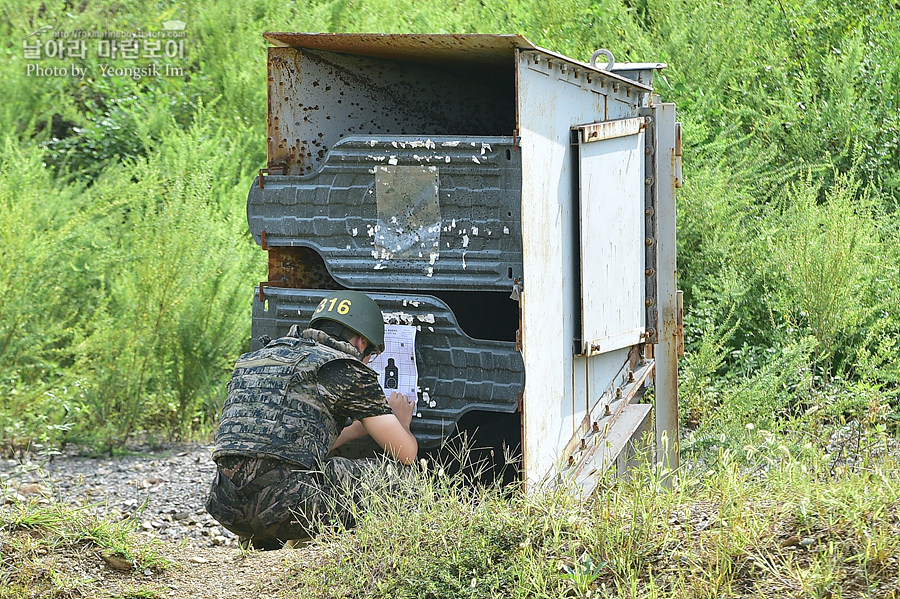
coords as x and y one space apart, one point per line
607 54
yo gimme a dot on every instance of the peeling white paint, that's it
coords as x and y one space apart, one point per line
355 231
392 161
453 224
449 144
398 318
373 143
429 144
475 160
394 143
434 257
447 159
465 241
485 147
475 231
380 266
506 230
429 318
464 260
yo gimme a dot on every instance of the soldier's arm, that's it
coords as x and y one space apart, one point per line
393 436
402 409
353 431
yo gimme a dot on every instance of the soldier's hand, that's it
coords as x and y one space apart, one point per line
402 407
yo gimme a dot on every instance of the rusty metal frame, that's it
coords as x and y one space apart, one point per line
651 321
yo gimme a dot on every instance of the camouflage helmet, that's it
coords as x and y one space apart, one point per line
355 311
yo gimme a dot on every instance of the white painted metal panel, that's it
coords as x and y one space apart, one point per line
550 101
611 210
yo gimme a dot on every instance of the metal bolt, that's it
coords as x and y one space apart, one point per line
630 376
618 392
648 241
606 411
596 426
648 211
651 333
649 272
648 302
648 181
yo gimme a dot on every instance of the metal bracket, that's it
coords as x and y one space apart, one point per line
264 284
270 171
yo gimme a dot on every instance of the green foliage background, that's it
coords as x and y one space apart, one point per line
126 266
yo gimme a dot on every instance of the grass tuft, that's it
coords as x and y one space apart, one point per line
37 535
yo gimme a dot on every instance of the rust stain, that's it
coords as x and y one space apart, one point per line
460 49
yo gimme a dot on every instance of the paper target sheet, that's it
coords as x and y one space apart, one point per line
396 365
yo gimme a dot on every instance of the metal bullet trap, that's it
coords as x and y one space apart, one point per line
513 206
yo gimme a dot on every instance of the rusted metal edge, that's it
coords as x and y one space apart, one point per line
651 314
584 65
615 406
445 49
264 284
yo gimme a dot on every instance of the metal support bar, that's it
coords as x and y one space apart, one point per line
608 408
651 322
666 354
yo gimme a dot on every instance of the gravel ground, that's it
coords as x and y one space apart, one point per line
163 489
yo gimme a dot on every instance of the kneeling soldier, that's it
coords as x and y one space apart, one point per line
286 408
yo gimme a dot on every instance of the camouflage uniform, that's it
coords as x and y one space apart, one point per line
286 405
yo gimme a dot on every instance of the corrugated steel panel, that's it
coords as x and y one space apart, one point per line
346 213
459 373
